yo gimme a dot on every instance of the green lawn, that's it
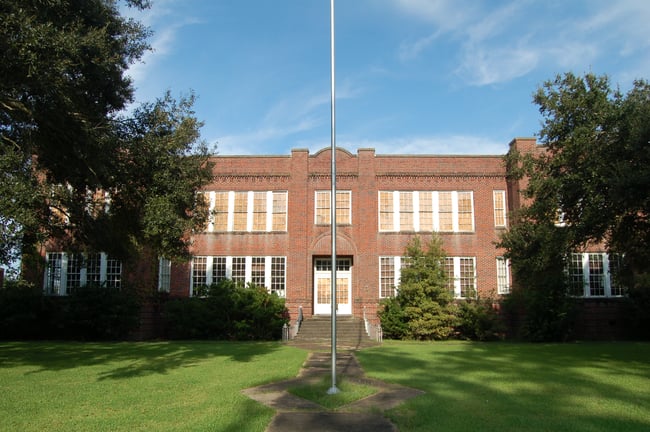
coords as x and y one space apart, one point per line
517 387
162 386
185 386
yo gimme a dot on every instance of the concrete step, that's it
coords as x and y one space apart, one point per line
350 333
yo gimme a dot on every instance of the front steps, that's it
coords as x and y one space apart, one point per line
315 333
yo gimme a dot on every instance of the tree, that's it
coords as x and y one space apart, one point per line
423 308
594 174
69 152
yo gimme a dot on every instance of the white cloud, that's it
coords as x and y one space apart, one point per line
434 144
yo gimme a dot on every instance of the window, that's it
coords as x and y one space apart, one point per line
461 276
426 211
164 274
499 198
248 211
343 207
65 272
503 276
266 271
590 275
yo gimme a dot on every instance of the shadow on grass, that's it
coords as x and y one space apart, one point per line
501 386
141 358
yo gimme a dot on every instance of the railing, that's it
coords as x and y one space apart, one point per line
373 330
290 332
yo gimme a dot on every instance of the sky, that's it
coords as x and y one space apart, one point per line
412 76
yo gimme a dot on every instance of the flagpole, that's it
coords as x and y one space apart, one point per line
333 389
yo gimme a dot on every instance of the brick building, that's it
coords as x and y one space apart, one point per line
270 224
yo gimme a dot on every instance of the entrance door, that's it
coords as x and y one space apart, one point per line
323 286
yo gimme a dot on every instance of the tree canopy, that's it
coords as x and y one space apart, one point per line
75 165
590 184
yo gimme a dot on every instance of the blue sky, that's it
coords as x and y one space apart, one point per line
412 76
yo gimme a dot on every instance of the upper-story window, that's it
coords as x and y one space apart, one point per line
251 211
427 211
499 198
343 207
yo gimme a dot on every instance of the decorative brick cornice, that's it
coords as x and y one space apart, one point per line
417 177
342 176
251 178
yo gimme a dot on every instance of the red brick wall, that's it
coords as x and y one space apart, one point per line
364 174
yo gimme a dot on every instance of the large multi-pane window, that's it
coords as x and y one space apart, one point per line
343 207
593 275
461 275
266 271
499 198
248 211
67 271
503 276
426 211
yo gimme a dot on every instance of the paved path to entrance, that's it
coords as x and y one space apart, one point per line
297 414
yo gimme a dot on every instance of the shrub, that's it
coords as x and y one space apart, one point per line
226 310
479 320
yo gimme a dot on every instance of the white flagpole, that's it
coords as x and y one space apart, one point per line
333 389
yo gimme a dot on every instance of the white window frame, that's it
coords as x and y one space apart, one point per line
502 195
164 274
211 197
397 267
503 276
416 211
607 275
269 281
59 285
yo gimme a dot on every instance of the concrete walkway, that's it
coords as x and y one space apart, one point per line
297 414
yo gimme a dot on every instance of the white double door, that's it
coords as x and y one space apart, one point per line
323 286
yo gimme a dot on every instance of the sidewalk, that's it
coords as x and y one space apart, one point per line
297 414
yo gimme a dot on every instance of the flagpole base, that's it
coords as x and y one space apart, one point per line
333 390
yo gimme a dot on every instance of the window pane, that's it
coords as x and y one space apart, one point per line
576 277
596 275
113 273
426 211
164 274
94 269
239 270
240 211
259 211
279 211
343 207
406 211
503 281
53 273
467 278
322 207
449 271
445 211
278 276
385 211
386 277
499 208
465 214
257 271
73 272
199 271
220 211
218 268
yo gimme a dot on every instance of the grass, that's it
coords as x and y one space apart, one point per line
170 386
349 392
510 387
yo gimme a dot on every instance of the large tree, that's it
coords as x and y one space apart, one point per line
591 184
68 151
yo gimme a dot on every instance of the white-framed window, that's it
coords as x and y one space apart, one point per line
266 271
499 199
426 211
66 271
322 203
461 275
591 275
503 276
164 274
247 211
